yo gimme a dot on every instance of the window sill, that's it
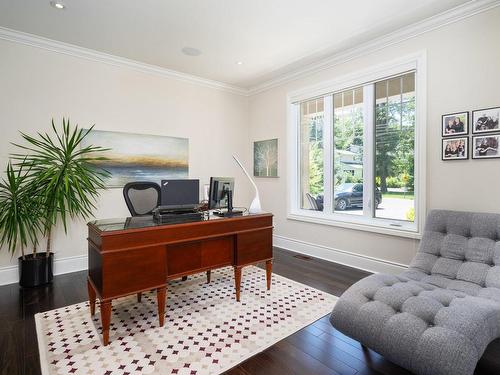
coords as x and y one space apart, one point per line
356 223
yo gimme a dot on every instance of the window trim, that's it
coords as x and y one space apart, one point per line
416 62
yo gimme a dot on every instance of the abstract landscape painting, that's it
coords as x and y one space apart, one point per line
140 157
265 158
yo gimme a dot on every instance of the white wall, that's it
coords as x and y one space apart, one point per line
463 73
37 85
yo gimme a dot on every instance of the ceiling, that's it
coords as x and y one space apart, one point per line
269 37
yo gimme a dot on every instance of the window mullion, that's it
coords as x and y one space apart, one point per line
368 150
328 154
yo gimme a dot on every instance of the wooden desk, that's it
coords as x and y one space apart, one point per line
133 255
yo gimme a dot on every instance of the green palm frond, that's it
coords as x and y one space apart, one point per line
19 210
62 169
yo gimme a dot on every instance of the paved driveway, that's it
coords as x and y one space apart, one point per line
394 208
390 208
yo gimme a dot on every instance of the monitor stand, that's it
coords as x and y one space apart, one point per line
229 212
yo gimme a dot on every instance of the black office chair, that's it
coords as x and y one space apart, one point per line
142 197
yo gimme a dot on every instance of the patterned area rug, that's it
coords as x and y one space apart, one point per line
206 331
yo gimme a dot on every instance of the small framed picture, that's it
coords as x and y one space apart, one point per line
454 124
485 120
455 148
485 146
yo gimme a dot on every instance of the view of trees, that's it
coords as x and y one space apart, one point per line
316 168
348 132
316 155
395 143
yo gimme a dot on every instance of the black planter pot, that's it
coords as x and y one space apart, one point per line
35 270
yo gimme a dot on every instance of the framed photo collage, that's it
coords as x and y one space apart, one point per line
485 140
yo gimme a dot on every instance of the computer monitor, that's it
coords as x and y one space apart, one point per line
180 193
218 192
220 196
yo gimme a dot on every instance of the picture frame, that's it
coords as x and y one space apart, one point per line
486 146
265 158
455 148
486 120
455 124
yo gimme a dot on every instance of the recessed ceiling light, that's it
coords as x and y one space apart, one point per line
190 51
57 5
239 63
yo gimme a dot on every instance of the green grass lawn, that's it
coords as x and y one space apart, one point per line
392 194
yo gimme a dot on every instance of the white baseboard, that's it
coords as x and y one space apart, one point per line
346 258
10 274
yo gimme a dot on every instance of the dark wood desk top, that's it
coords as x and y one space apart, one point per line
141 223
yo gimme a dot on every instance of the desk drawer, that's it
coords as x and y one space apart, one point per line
125 272
200 255
254 246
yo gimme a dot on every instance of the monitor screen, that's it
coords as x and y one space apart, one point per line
180 192
217 196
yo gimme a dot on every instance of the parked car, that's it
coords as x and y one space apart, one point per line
351 195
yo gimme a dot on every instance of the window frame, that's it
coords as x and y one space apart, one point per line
366 79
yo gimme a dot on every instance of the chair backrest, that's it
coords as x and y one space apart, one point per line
460 250
142 197
312 202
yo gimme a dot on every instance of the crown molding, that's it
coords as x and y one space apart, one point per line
411 31
456 14
93 55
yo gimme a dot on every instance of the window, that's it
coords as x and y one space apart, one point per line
311 147
356 151
348 129
395 146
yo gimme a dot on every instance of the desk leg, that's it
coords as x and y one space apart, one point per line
237 281
106 320
139 297
209 273
161 294
269 270
92 296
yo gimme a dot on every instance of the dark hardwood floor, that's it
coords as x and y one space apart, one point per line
316 349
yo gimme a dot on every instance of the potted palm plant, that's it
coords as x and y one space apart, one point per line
62 183
20 223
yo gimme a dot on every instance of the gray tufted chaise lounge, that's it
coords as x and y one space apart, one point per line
439 316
